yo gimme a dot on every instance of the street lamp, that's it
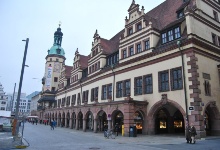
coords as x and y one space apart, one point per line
16 123
184 80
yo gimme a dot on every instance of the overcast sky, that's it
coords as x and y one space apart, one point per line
39 19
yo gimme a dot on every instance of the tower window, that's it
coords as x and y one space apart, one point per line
58 51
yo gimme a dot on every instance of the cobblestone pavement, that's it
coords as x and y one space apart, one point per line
41 137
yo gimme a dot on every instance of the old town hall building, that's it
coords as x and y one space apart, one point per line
160 72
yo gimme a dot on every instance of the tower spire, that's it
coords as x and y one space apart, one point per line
58 35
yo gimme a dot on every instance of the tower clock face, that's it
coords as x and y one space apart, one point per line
57 67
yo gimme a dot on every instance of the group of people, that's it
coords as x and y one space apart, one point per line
190 133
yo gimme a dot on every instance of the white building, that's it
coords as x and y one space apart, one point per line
3 99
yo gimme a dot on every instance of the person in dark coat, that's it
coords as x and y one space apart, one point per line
193 133
116 129
188 135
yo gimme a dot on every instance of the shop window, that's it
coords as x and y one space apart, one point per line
178 124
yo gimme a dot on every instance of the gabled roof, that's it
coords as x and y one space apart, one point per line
68 71
165 13
83 61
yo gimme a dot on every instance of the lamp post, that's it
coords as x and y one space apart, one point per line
16 123
184 79
112 67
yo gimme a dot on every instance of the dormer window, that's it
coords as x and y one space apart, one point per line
139 26
171 35
58 51
180 14
130 31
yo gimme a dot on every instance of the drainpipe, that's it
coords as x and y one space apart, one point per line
80 82
113 94
184 79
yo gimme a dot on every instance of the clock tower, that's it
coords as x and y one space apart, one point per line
55 60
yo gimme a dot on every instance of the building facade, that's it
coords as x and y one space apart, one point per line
159 73
3 99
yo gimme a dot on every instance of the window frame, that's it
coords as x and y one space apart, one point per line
147 85
161 82
179 80
138 87
119 91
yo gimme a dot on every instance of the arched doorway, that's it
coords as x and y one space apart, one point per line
138 120
63 120
67 120
211 119
73 120
169 120
118 118
80 120
89 121
59 120
102 122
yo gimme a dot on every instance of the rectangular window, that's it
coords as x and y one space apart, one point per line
130 31
139 26
119 89
147 44
78 99
177 32
124 53
219 41
163 81
176 79
131 51
170 35
73 99
138 86
148 84
164 38
214 39
55 79
139 48
127 85
215 14
109 91
104 92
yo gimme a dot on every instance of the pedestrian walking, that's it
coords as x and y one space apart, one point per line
52 125
188 135
36 121
193 133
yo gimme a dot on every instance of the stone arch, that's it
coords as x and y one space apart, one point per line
73 117
211 119
89 118
139 116
101 120
80 120
151 117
